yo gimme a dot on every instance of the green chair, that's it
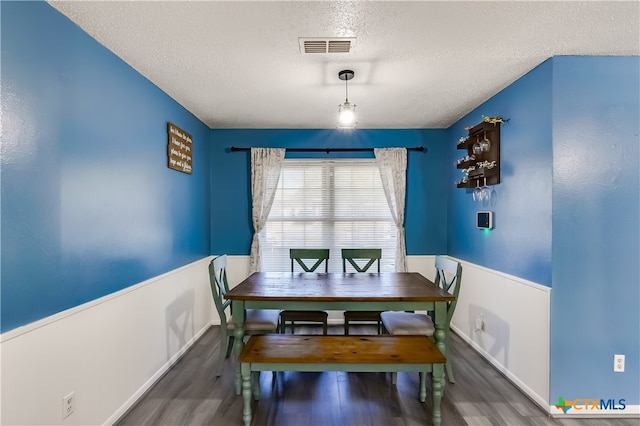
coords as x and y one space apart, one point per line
448 277
303 257
361 260
257 321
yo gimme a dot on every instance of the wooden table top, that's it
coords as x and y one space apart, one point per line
336 287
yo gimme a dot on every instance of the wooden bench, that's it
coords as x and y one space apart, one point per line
382 353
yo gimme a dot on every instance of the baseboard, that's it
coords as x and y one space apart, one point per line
133 399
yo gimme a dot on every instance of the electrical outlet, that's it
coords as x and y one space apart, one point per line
618 363
68 404
480 323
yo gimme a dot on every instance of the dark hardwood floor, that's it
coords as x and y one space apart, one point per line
190 394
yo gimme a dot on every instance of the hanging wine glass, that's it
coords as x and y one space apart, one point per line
485 194
477 149
485 144
477 191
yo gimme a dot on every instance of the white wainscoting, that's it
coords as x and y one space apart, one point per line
111 350
108 351
515 338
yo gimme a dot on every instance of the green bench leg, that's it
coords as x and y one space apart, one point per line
256 385
237 348
437 381
246 393
438 388
449 369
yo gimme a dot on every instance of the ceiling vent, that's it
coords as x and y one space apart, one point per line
326 45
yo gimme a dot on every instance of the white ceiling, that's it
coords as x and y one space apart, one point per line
237 64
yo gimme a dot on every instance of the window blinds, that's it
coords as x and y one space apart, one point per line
331 204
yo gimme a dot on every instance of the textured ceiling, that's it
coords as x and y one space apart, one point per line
238 64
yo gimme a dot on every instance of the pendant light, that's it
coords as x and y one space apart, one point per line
346 111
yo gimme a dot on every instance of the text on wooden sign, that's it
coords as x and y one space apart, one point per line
179 149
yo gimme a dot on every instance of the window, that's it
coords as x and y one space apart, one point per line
331 204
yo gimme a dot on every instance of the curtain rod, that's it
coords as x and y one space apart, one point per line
328 150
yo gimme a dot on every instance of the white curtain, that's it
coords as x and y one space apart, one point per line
392 163
266 164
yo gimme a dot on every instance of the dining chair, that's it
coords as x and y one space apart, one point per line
448 277
257 321
361 260
303 258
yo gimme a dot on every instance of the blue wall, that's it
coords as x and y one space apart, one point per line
520 243
571 160
427 180
89 206
595 309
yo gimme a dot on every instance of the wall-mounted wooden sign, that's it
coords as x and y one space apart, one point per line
179 150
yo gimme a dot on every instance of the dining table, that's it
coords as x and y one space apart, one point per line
383 291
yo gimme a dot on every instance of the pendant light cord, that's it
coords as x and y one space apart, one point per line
346 90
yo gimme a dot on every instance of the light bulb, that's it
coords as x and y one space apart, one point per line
347 114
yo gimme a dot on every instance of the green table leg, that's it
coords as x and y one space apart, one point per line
238 321
423 386
440 333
